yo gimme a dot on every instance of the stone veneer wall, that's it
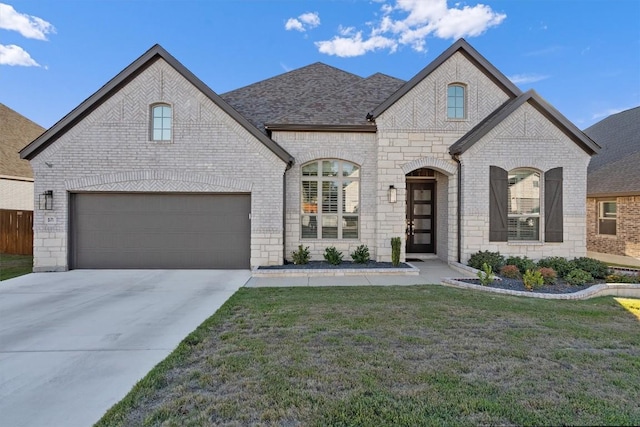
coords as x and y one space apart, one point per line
109 150
415 132
626 242
526 139
355 147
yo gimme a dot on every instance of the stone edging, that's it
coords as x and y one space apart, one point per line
330 272
605 289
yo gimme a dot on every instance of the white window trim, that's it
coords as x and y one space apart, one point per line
340 214
601 217
539 215
151 128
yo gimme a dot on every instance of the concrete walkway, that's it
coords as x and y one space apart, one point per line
72 344
432 271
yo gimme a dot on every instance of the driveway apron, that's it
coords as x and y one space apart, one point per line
73 344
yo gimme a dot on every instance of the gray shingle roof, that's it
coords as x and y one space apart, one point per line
317 94
616 168
16 131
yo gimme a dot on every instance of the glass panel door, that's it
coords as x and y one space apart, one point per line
421 217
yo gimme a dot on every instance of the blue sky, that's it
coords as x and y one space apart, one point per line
582 56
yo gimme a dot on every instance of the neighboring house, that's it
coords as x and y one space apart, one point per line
16 182
16 177
613 186
155 170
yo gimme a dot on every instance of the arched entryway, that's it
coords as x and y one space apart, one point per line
421 211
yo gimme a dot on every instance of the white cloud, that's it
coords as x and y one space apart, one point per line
355 46
608 112
15 55
28 26
527 78
304 22
410 22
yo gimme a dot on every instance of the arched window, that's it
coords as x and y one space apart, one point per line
523 205
456 101
161 122
330 200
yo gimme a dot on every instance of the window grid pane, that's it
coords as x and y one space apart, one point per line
330 199
524 205
161 123
455 102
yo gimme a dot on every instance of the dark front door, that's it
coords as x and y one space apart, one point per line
421 217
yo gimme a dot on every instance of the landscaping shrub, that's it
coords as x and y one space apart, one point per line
510 272
622 278
332 255
549 275
561 265
395 251
486 275
361 255
597 269
493 259
578 277
523 263
532 279
301 256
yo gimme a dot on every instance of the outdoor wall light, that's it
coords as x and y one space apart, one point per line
392 194
46 200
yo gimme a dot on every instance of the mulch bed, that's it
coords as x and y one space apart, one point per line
560 287
321 265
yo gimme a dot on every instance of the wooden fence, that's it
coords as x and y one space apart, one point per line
16 232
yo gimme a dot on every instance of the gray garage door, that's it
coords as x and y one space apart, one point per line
172 231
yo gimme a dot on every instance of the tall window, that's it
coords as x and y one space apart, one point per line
161 122
607 217
330 200
456 101
523 208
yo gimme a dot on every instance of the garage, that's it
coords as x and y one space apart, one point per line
159 231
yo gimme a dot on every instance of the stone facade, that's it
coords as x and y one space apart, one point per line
110 150
626 241
526 139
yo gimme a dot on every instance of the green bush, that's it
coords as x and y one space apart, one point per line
622 278
523 263
493 259
549 275
485 275
510 272
395 251
532 279
578 277
597 269
301 256
361 255
332 255
561 265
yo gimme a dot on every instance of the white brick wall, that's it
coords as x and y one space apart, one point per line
16 195
526 139
110 151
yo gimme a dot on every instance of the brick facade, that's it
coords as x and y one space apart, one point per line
626 242
110 150
16 194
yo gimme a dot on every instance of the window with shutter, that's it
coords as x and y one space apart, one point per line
498 224
553 215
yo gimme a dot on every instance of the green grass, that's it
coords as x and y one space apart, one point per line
386 356
15 265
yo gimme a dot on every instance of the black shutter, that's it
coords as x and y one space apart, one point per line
498 194
553 216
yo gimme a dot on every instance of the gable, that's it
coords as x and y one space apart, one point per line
421 102
122 80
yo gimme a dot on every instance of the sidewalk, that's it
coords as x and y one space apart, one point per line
432 271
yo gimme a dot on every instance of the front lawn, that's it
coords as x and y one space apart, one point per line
420 355
15 265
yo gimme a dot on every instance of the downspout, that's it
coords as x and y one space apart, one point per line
456 157
284 210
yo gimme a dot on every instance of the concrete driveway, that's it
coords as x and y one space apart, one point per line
72 344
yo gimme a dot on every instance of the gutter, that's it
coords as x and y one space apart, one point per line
284 209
